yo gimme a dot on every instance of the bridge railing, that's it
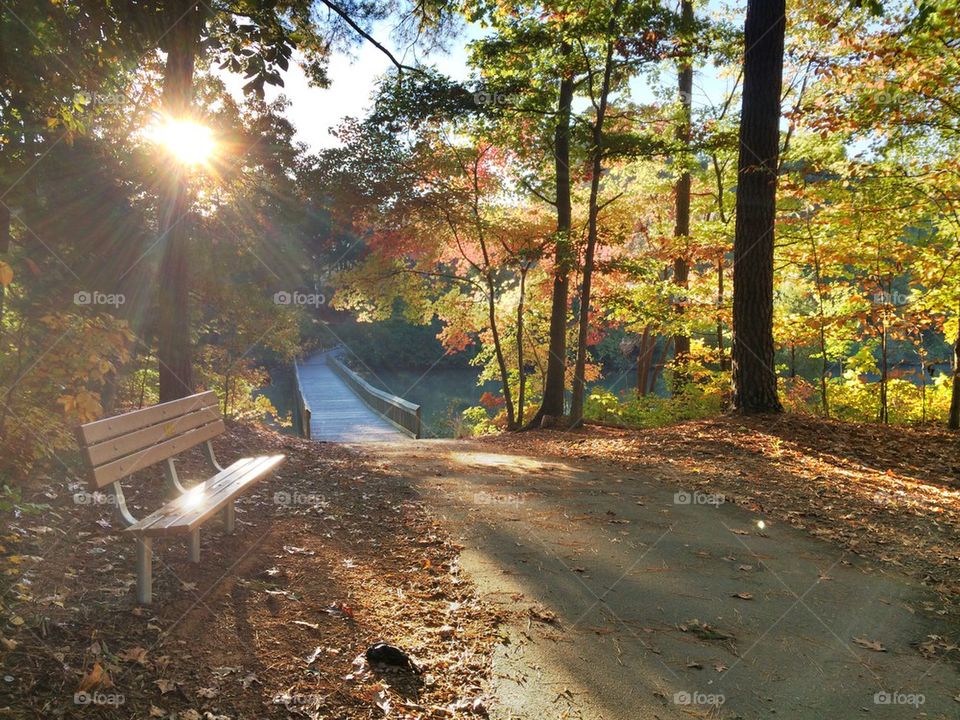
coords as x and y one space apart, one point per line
403 414
303 407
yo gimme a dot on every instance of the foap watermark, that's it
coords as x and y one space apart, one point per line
698 698
890 298
295 297
282 497
914 700
886 97
487 98
93 498
98 697
95 297
697 498
98 99
485 498
296 699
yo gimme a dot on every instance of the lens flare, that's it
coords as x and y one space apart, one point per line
186 140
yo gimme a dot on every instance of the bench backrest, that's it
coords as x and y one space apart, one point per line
118 446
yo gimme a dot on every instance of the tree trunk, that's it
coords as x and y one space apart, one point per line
641 355
954 421
593 211
754 377
498 350
658 364
555 384
724 365
521 392
650 347
821 312
173 328
681 230
4 249
884 373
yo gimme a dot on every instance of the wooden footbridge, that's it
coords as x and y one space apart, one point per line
337 405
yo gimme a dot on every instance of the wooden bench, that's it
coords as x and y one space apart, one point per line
117 447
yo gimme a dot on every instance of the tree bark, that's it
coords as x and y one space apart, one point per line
552 402
954 421
521 392
724 365
681 230
593 212
883 414
173 327
498 349
641 355
754 377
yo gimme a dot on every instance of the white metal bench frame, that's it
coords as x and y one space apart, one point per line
117 447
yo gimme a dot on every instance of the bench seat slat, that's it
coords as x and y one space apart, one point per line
164 516
189 511
175 507
101 430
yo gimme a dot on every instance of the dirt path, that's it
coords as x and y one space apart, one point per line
634 598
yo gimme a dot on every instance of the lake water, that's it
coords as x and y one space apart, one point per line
442 393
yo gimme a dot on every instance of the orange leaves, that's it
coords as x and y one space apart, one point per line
491 401
84 406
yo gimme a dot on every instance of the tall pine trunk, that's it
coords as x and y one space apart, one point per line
754 377
555 384
173 327
681 230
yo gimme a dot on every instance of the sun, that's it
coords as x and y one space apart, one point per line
190 142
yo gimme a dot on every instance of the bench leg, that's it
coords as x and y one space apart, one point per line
144 570
195 546
229 519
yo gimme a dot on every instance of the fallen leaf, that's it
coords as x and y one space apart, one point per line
95 678
208 693
382 701
164 685
134 654
874 645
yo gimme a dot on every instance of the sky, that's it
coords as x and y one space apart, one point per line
314 111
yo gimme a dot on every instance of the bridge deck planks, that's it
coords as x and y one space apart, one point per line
337 414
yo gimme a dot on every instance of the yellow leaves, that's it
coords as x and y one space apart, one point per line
85 406
6 274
